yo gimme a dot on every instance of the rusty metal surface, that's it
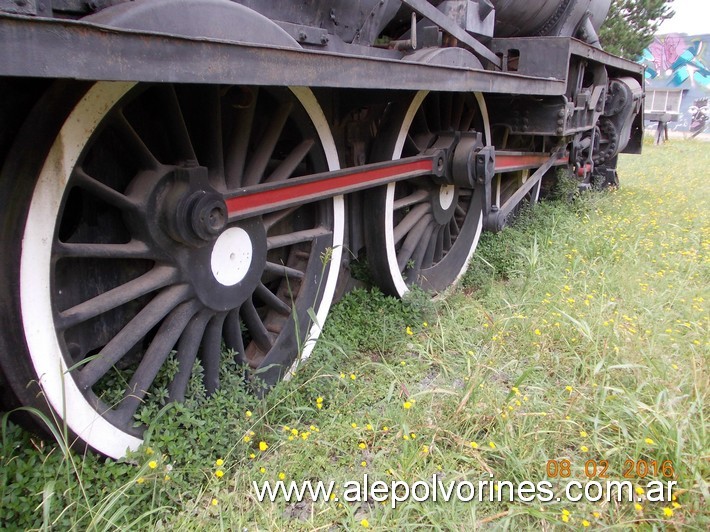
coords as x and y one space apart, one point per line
449 25
47 48
549 56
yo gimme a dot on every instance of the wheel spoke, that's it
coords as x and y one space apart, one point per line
205 122
411 242
134 249
233 335
134 142
154 358
257 165
422 256
215 161
415 197
103 192
271 219
212 352
457 111
446 108
255 326
239 143
282 270
137 328
409 221
150 281
297 237
455 229
467 118
447 237
187 349
439 247
175 124
290 163
272 300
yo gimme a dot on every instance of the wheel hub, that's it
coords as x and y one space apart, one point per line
231 256
193 213
225 274
443 203
223 263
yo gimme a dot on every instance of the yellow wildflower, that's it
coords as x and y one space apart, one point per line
263 445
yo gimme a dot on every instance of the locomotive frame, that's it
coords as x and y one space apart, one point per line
182 176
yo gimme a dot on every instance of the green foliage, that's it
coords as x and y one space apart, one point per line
368 320
631 25
589 342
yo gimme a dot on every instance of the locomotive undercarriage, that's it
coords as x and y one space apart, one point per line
159 211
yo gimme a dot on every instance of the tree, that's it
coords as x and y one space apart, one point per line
631 25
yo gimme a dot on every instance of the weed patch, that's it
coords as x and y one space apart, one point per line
579 336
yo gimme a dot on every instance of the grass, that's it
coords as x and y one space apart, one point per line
579 334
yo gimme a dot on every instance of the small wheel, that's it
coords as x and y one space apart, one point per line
423 234
122 264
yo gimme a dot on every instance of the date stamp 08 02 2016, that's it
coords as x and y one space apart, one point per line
598 469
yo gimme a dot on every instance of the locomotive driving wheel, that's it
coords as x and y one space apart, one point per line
122 259
424 233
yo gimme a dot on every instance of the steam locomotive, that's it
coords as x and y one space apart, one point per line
180 178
